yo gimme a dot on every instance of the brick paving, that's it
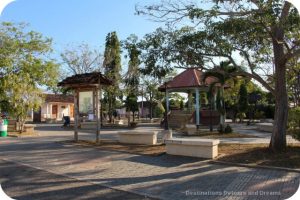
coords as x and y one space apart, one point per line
26 183
163 177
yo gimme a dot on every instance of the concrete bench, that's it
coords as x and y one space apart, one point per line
267 127
138 137
191 129
120 122
203 148
29 128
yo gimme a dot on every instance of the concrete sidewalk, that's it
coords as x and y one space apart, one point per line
22 182
162 177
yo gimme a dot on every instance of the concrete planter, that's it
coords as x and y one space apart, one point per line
203 148
138 137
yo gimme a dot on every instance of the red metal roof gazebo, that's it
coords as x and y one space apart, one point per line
190 78
188 81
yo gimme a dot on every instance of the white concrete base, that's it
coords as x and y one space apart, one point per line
120 122
29 128
267 127
167 134
138 137
191 129
203 148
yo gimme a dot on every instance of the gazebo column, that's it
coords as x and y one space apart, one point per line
197 108
76 115
190 99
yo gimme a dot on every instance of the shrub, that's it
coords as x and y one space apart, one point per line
295 133
222 129
159 110
133 124
294 122
259 114
228 129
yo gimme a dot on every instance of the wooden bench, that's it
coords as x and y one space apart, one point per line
203 148
138 137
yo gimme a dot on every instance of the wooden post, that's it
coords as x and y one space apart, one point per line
76 115
97 91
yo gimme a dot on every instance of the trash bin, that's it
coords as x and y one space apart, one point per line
3 127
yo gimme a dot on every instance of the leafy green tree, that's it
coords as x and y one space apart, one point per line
132 105
151 93
25 66
262 33
155 54
223 73
293 81
243 99
112 68
133 74
294 122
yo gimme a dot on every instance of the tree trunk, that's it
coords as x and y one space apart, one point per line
278 139
133 117
150 107
21 124
110 110
128 118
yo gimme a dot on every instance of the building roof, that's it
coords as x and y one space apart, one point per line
190 78
61 98
85 80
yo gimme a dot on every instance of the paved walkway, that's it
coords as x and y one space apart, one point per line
162 177
26 183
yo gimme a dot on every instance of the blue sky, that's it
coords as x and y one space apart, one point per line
76 21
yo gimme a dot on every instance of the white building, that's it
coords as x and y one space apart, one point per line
55 107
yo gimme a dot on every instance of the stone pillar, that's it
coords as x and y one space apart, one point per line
76 118
197 108
47 111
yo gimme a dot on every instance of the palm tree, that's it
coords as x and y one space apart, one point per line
222 73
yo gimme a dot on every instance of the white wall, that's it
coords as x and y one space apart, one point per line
63 109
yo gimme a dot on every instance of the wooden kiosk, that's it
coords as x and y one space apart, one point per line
92 82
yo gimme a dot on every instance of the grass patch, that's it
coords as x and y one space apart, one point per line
260 154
